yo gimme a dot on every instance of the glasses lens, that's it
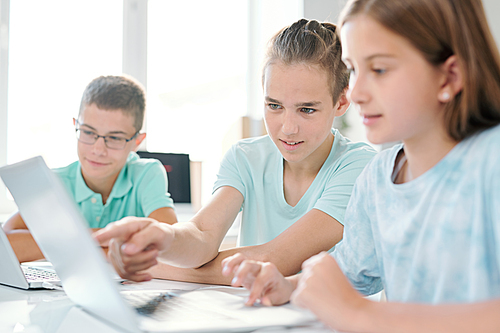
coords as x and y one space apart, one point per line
113 142
89 137
86 136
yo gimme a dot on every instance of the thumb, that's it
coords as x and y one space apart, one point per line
122 230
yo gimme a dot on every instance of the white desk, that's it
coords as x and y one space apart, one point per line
40 311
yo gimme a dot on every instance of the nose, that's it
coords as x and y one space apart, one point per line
99 147
289 123
357 89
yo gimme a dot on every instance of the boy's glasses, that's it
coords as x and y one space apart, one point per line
111 141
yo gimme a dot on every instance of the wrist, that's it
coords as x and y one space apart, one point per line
293 281
359 316
353 315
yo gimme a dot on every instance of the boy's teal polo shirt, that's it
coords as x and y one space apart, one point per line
140 189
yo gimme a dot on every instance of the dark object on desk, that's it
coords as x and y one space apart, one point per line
178 171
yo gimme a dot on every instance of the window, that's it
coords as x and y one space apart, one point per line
56 48
196 77
203 72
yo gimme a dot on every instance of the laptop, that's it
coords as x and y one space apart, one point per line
24 276
62 234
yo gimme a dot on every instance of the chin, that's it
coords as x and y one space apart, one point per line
377 139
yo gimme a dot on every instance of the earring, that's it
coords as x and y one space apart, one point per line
445 96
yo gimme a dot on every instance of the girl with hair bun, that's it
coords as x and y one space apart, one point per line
292 186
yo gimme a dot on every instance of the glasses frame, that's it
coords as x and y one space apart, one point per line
104 137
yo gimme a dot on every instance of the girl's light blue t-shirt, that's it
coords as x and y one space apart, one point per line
435 239
140 189
255 168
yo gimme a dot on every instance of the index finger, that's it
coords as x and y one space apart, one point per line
123 229
231 264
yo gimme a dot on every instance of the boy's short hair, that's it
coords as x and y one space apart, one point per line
117 93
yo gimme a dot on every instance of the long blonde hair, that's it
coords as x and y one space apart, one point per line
439 29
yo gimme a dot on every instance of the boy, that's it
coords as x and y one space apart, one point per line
109 181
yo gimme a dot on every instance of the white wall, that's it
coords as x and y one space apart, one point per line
323 10
492 9
329 11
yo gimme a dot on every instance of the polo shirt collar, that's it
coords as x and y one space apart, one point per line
122 186
82 191
123 183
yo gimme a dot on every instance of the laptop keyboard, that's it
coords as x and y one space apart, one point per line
147 303
164 305
39 274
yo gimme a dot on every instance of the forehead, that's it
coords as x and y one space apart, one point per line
364 39
297 81
106 120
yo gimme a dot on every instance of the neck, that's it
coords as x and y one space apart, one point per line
101 186
424 153
313 163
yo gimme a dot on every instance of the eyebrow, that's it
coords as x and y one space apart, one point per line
308 104
380 55
373 56
112 132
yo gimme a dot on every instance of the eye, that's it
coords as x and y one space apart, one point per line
115 138
87 133
307 110
379 71
274 106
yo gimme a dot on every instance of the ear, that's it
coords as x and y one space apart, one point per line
74 122
452 82
138 140
342 104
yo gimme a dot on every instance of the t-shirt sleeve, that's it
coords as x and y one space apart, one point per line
340 183
492 196
229 173
356 253
153 188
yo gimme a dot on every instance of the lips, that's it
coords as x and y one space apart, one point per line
370 119
96 164
291 145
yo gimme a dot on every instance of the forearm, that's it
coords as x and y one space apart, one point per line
197 242
190 247
211 272
24 245
396 317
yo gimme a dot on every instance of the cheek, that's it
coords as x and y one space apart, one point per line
81 148
271 122
120 156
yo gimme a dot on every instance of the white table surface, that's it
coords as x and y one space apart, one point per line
40 311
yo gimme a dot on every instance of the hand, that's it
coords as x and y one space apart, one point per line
325 291
134 244
265 282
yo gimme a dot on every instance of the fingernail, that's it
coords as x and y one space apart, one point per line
233 281
225 270
129 248
248 302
